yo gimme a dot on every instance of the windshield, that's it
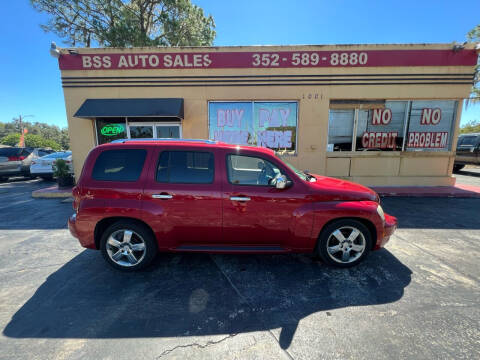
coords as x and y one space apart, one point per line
299 173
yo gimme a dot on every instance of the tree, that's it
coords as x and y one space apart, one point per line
44 131
470 127
474 36
127 23
30 141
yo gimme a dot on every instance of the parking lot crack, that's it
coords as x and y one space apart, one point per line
250 305
200 346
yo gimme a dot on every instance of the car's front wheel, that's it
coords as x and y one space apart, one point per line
128 245
458 167
344 243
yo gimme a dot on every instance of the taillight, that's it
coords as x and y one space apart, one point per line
76 198
16 158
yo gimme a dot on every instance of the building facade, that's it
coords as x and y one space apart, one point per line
375 114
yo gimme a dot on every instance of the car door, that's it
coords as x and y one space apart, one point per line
255 212
183 198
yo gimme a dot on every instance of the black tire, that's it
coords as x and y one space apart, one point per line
458 167
3 178
47 178
139 231
345 225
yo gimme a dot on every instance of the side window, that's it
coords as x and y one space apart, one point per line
250 170
185 167
119 165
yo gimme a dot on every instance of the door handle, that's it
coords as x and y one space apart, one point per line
239 198
162 196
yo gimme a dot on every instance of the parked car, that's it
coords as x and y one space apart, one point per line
468 151
16 161
43 166
135 198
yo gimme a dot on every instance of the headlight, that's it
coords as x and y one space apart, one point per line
381 213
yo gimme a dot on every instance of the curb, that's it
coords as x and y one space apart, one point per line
52 193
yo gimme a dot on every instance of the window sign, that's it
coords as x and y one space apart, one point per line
112 129
382 128
267 124
431 125
231 122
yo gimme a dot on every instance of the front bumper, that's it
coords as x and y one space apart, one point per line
388 229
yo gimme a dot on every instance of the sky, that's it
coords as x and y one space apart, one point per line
30 79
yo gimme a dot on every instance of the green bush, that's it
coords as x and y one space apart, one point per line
60 169
31 140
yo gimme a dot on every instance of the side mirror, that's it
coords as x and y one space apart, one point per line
281 182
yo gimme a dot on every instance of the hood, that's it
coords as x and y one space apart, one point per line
331 189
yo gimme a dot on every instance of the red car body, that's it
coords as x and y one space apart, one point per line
202 217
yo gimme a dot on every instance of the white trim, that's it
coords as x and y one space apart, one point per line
406 123
355 126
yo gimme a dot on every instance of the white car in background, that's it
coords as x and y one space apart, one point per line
43 166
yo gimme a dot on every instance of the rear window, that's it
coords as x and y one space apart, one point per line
119 165
185 167
10 151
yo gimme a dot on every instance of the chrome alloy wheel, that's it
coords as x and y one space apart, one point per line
346 244
126 247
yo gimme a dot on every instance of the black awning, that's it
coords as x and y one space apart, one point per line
168 107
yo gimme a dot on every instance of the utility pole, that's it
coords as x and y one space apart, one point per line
20 118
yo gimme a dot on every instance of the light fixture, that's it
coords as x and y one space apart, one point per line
54 51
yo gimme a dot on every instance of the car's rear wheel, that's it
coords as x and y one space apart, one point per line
458 167
128 245
344 243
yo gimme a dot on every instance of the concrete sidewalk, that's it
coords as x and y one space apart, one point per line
457 191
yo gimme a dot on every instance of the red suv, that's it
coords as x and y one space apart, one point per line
135 198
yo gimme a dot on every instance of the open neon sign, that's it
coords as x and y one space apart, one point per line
112 129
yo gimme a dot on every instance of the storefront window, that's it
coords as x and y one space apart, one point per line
267 124
340 130
109 129
431 125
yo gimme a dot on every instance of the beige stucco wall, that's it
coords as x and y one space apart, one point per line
371 168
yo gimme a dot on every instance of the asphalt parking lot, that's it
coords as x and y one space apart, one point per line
418 298
469 175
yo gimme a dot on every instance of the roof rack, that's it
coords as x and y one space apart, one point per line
165 139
